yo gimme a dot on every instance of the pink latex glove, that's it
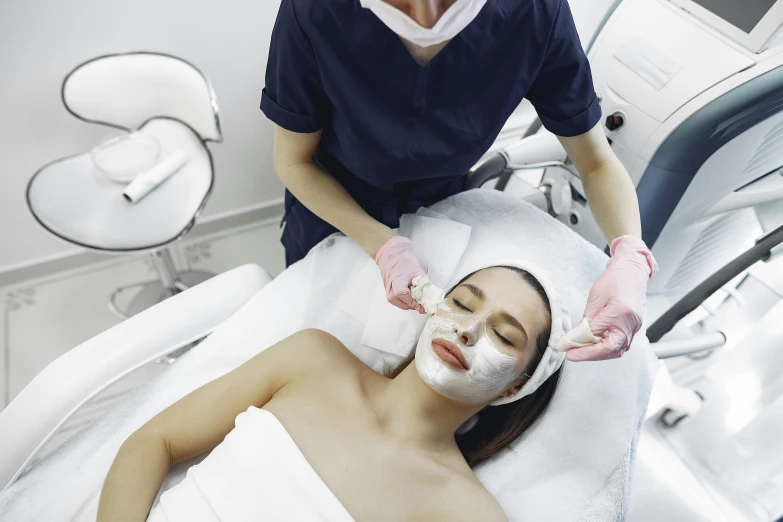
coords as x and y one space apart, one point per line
399 264
615 307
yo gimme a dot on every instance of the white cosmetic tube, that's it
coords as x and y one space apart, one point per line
148 181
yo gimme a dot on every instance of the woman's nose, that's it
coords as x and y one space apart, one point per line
467 333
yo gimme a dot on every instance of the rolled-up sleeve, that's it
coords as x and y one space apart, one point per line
293 96
563 92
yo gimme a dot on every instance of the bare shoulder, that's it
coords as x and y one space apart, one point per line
314 350
467 500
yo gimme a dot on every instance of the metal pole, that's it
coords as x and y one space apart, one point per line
164 265
668 349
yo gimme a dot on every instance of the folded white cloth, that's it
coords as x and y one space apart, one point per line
579 337
256 473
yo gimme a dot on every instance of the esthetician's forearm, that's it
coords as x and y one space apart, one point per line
134 479
612 199
329 200
608 187
321 193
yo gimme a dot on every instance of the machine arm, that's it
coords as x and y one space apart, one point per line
693 299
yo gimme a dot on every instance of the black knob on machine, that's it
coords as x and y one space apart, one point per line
614 122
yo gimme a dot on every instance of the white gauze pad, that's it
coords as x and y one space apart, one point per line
427 294
580 336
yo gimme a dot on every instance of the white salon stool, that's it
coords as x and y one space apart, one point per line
145 95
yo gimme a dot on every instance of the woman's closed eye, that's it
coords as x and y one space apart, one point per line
458 304
503 340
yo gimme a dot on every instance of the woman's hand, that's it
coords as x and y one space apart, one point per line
617 300
400 264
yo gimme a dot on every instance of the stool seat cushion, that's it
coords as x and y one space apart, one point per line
72 199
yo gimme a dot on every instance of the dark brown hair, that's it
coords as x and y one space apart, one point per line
499 426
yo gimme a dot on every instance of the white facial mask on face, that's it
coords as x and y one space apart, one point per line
490 372
455 19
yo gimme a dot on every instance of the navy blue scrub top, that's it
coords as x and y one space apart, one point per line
398 135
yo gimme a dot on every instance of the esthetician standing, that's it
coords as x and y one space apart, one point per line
383 106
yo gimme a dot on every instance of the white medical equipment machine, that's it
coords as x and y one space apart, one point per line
750 23
164 107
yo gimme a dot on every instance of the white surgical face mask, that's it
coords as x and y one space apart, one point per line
454 20
489 372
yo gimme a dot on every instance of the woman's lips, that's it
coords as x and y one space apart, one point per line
450 354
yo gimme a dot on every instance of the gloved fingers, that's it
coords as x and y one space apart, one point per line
400 296
407 303
396 301
595 302
614 345
399 251
615 314
422 268
631 337
410 302
394 296
617 340
419 271
399 265
603 322
407 299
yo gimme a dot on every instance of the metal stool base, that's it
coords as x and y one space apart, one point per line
128 301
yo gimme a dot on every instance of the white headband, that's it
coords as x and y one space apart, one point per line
561 323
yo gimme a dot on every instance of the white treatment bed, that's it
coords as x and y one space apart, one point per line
575 464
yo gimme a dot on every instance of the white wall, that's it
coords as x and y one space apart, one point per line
589 14
42 40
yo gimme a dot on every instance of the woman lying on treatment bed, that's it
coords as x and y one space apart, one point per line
334 440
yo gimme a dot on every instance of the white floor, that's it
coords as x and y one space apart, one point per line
725 463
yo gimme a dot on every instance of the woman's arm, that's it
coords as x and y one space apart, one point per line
608 187
617 299
195 424
321 193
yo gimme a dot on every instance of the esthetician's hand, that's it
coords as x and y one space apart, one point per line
615 307
400 264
